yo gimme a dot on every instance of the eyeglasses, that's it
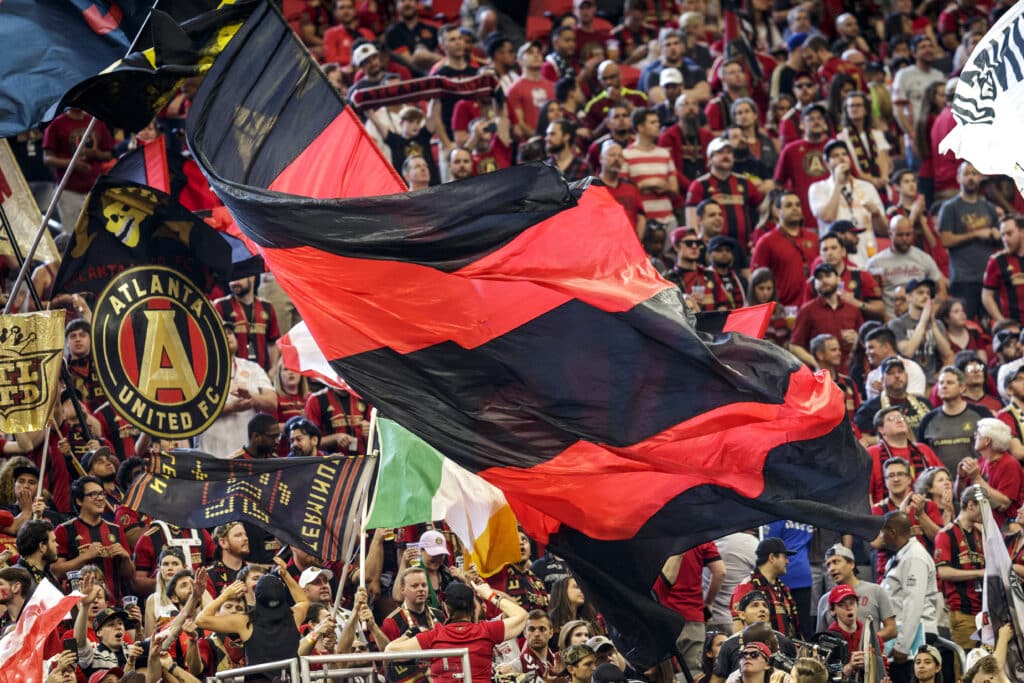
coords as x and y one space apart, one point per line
95 495
974 367
897 475
751 654
691 243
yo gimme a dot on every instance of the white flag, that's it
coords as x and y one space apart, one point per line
300 353
989 101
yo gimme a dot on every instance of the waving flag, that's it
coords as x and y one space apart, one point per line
516 325
21 650
300 353
989 103
49 45
416 483
1002 598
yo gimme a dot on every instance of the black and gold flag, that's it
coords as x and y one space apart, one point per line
30 355
126 224
130 92
310 503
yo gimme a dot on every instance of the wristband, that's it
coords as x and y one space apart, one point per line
173 666
495 599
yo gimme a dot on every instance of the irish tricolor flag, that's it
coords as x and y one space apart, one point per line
415 484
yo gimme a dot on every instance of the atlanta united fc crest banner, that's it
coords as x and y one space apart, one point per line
160 351
30 349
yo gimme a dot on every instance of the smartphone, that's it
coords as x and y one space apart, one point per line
71 645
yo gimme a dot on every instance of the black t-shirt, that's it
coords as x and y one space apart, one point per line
550 569
729 654
403 148
448 102
402 40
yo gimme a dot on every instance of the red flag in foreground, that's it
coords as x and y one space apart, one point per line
21 651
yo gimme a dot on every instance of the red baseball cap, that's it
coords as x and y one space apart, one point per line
840 593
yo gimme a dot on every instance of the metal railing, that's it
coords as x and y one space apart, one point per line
299 668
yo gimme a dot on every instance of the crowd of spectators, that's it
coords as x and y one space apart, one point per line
801 169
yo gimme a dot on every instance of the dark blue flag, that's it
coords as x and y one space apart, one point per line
53 44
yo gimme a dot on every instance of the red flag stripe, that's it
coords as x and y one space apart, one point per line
480 302
155 156
699 451
751 320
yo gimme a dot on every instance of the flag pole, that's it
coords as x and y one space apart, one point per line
371 446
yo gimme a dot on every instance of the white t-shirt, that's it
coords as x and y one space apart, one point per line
862 193
228 432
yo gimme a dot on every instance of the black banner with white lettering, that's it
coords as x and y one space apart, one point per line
310 503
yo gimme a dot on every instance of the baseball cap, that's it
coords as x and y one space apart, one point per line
1001 338
719 241
432 543
892 362
598 642
923 282
677 235
825 268
364 52
933 651
670 75
27 468
759 646
834 144
814 106
840 550
844 225
608 673
90 457
525 47
309 575
574 654
1008 376
752 596
773 545
840 593
98 676
796 40
112 613
717 145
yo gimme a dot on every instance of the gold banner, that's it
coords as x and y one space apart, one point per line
17 202
30 355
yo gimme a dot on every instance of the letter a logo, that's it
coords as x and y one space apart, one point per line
165 363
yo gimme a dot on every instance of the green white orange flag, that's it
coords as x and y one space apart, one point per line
416 483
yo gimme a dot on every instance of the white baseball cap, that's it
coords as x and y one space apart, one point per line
364 52
432 543
310 574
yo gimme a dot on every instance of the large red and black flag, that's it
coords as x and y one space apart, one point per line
516 325
311 503
126 224
49 45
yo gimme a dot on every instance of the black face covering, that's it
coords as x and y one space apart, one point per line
271 593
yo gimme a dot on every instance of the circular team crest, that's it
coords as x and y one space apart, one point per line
160 351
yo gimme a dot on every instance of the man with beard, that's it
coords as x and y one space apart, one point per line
254 321
79 362
772 563
894 393
872 601
734 86
805 92
367 58
625 192
16 588
841 196
303 438
721 253
735 194
456 64
37 550
460 164
671 81
558 143
967 227
919 333
687 139
619 128
537 657
902 262
414 613
264 434
802 162
672 55
89 539
826 314
233 545
858 287
694 279
412 42
1003 293
316 581
612 94
788 250
746 164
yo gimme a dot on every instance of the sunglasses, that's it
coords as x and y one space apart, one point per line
801 86
752 654
691 243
